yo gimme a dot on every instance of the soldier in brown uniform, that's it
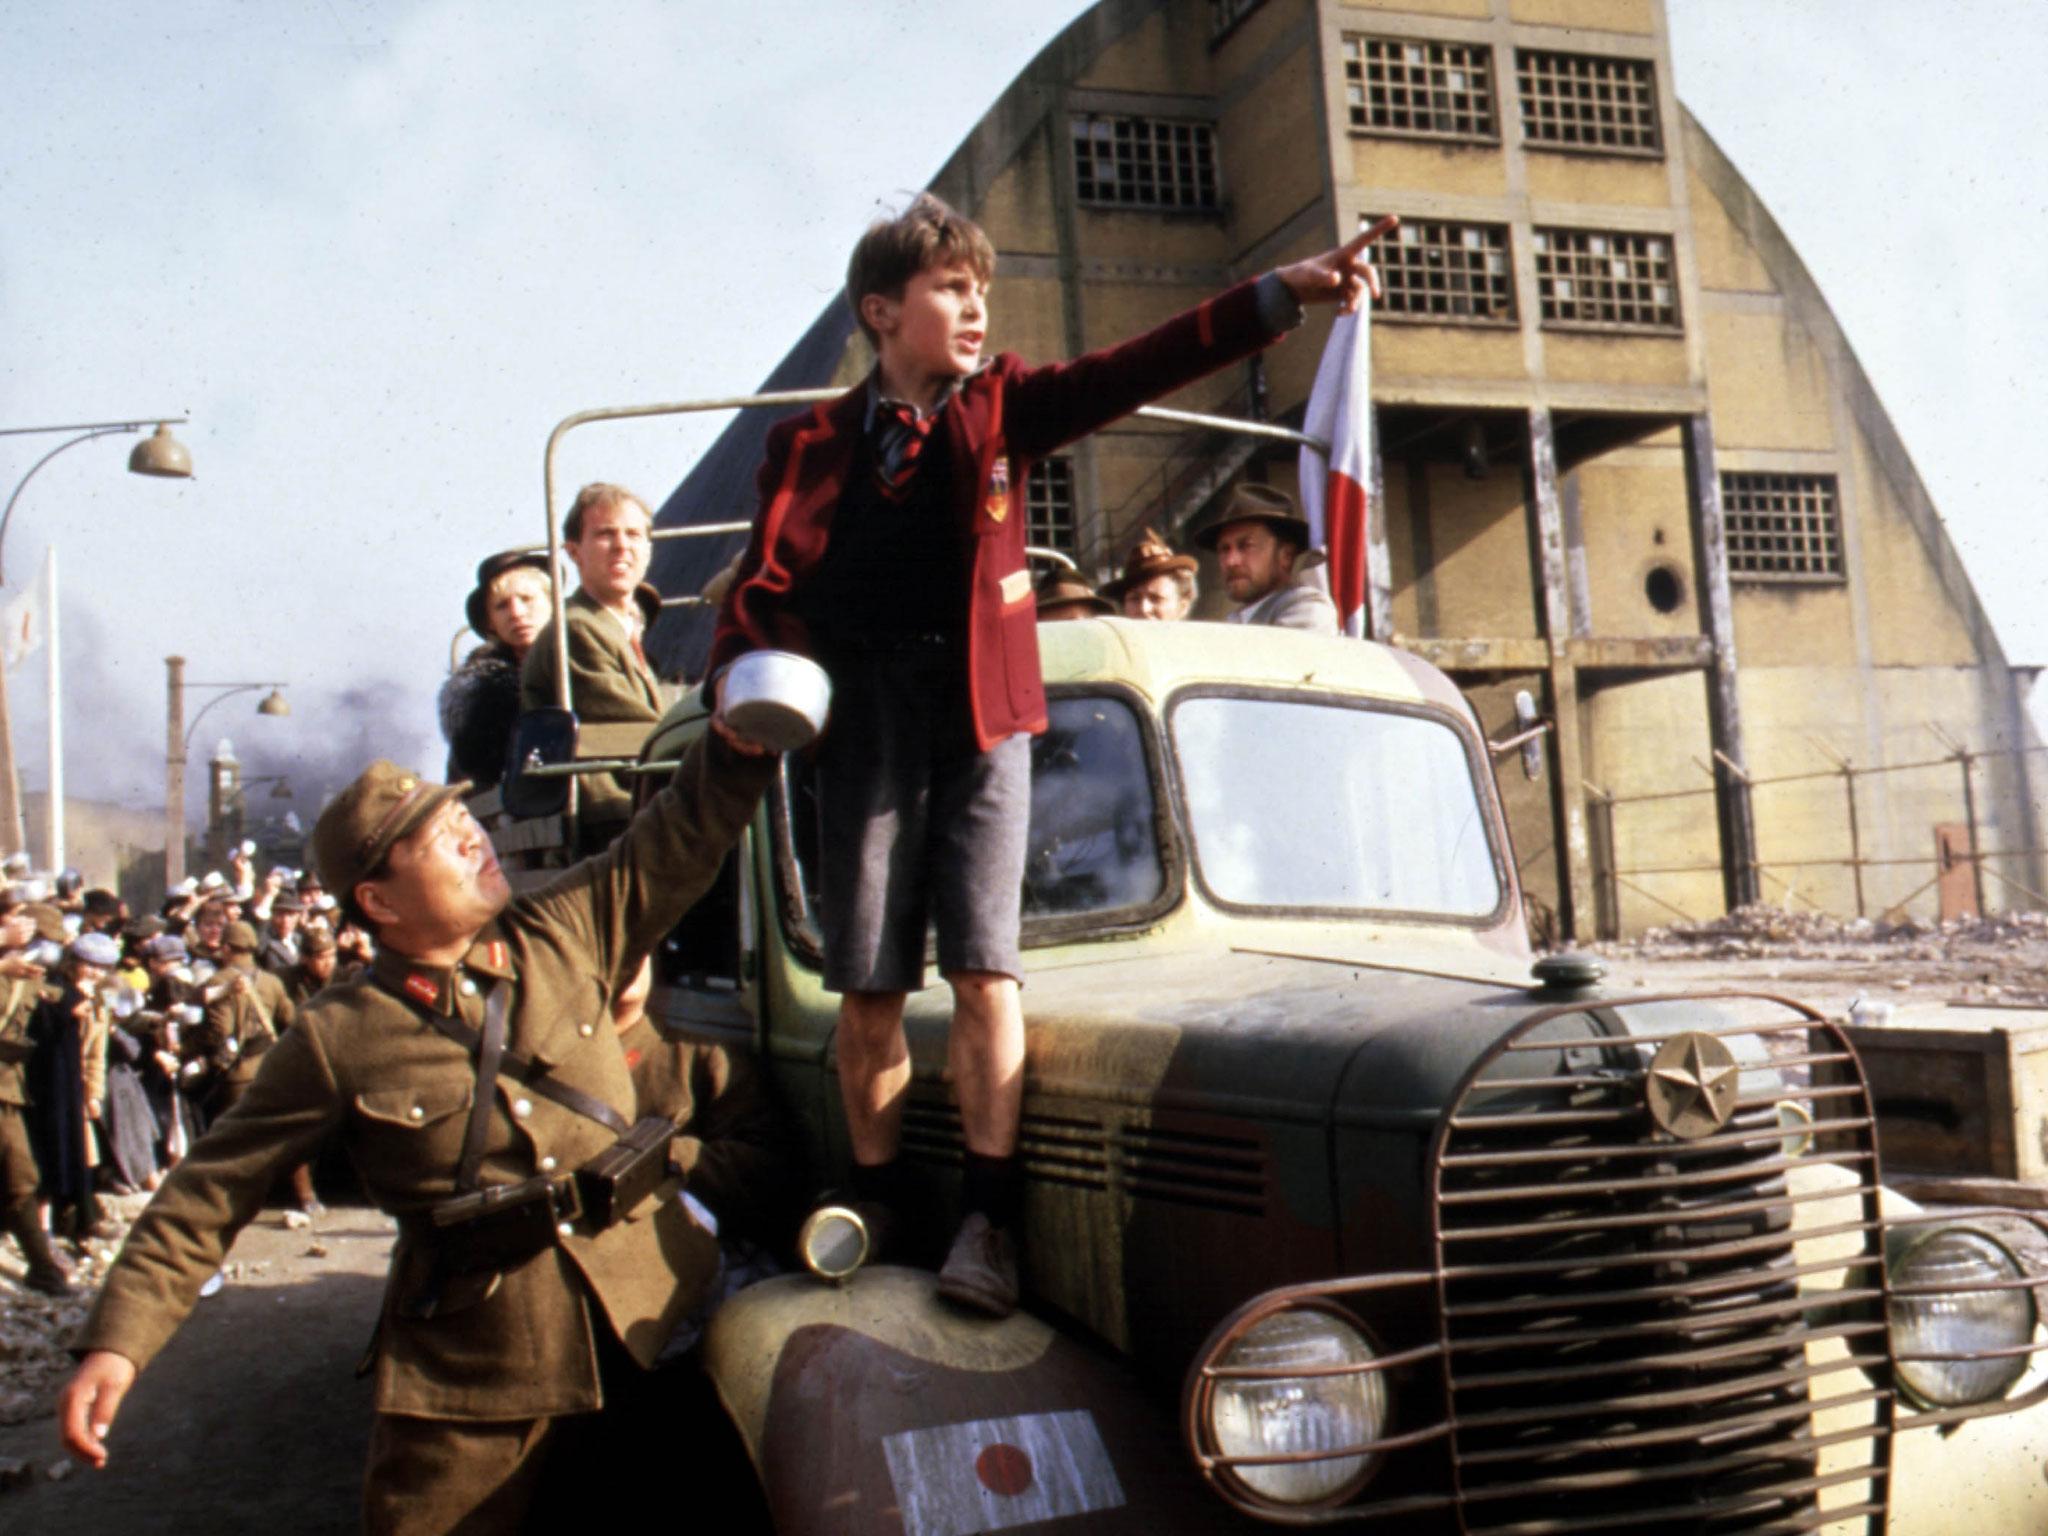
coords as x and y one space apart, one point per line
246 1010
21 988
478 1084
315 969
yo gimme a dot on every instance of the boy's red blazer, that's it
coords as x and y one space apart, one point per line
1003 420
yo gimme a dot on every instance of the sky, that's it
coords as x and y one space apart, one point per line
375 249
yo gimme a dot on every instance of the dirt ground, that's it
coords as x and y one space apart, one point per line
252 1420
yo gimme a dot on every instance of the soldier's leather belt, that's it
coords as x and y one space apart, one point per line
507 1224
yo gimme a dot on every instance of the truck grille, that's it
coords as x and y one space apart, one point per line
1625 1323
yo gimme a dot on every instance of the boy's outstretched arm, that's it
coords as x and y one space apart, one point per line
1338 276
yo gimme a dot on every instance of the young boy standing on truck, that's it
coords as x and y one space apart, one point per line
889 547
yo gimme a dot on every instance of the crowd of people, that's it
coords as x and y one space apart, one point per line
122 1036
1261 544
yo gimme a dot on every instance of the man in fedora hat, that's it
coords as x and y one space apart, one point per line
475 1079
508 608
1259 539
1062 594
1155 583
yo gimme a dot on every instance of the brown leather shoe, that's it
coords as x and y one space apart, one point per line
981 1270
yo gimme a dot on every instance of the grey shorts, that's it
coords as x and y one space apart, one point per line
916 826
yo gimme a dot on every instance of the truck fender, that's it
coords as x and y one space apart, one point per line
872 1405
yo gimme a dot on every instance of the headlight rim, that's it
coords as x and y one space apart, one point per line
1203 1405
1904 1240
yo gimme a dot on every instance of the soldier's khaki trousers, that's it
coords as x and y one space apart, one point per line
469 1479
17 1160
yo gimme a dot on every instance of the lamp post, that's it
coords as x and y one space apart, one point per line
178 741
159 455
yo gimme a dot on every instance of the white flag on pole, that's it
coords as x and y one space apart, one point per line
1334 494
25 618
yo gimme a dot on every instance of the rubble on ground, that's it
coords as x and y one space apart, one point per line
34 1328
2001 959
1768 930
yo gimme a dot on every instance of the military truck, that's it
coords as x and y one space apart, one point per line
1344 1206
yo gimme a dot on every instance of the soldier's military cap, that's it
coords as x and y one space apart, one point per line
240 936
1255 504
356 833
488 570
49 922
317 941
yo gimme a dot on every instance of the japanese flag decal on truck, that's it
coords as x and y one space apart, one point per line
991 1474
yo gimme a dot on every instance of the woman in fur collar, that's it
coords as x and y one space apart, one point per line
511 604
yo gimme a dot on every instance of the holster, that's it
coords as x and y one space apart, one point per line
625 1173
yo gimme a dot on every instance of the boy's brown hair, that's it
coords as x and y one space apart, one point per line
927 234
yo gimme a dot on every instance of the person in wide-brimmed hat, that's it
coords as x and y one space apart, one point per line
1064 595
1156 583
1259 539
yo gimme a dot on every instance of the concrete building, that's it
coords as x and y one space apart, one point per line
1627 459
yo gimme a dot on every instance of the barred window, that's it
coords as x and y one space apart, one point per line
1145 162
1584 101
1606 279
1427 90
1445 271
1225 14
1782 527
1049 506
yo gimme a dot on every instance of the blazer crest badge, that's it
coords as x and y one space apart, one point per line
997 502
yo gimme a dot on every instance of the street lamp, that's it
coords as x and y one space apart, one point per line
178 741
159 455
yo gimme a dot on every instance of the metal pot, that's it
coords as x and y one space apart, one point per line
777 698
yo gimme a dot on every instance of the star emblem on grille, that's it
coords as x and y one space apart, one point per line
1692 1085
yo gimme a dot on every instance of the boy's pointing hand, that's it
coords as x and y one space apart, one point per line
1338 276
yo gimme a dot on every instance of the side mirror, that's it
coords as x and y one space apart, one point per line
542 738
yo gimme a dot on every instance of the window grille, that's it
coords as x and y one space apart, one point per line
1584 101
1225 14
1421 89
1145 162
1049 506
1445 271
1606 279
1782 527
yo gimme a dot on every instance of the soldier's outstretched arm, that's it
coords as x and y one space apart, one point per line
180 1239
623 901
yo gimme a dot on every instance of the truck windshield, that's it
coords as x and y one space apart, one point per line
1295 803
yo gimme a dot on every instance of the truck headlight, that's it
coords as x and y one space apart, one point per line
1962 1319
1283 1414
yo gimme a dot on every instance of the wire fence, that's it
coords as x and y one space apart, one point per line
1952 854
